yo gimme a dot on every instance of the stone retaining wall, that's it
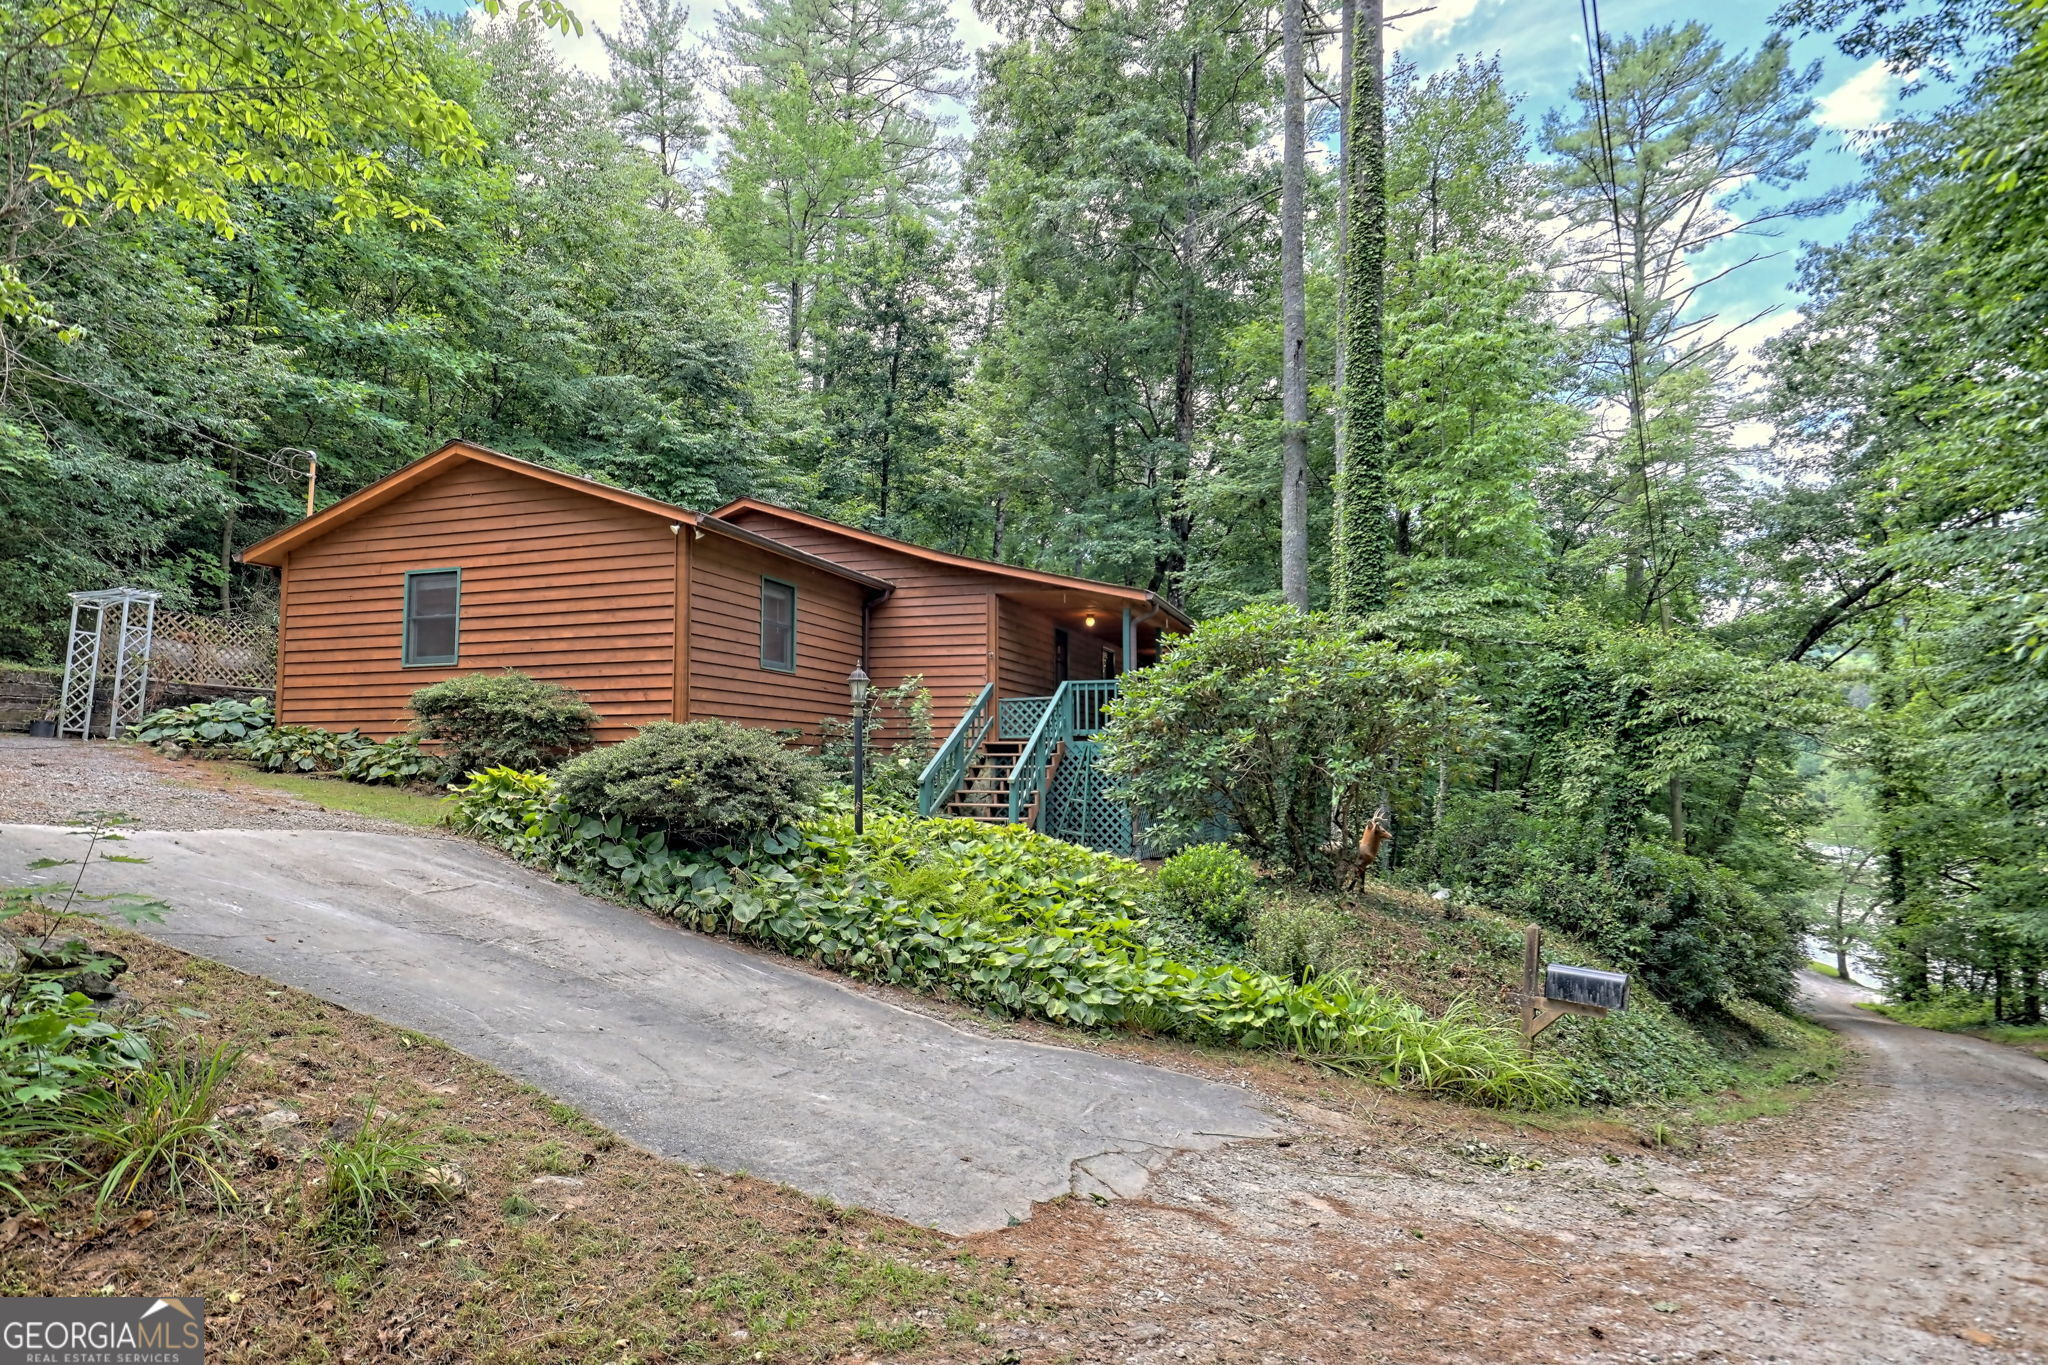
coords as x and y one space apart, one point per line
27 693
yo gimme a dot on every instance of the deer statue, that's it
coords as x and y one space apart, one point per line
1355 861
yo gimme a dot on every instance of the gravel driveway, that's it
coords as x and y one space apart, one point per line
66 781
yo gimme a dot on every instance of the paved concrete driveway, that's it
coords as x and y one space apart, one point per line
686 1045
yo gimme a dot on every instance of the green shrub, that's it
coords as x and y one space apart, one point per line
1694 933
484 720
707 784
1292 725
55 1046
1005 919
375 1175
399 761
1212 885
1299 940
205 725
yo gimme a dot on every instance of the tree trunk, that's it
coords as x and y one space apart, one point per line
1293 315
1676 791
1347 25
1167 571
227 558
1910 979
1361 560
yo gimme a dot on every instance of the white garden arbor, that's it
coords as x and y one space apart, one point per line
112 632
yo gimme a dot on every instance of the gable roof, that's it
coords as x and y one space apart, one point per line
1037 578
272 549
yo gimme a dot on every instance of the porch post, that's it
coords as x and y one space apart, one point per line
1130 642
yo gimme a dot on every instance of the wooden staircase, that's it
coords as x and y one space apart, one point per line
1034 758
984 792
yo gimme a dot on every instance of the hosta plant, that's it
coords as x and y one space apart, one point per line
300 748
205 725
399 761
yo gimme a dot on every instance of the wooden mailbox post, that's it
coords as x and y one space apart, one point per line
1580 990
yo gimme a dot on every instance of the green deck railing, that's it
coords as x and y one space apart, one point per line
1017 717
1075 713
941 776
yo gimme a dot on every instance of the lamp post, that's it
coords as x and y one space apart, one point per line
857 688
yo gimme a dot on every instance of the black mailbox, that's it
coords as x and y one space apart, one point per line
1586 986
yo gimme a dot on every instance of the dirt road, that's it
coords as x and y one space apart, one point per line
1926 1230
1902 1219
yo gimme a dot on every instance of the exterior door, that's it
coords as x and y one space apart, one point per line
1060 651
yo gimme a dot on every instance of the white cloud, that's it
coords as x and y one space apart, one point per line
1858 104
1435 22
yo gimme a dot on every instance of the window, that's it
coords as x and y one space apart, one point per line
433 601
778 626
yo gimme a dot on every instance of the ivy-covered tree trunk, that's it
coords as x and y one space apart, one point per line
1362 552
1347 25
1293 314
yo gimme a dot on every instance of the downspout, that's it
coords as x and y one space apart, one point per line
1131 624
867 612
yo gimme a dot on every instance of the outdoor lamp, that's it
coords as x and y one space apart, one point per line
857 688
1089 620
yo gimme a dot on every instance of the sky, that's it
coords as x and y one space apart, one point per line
1541 60
1542 51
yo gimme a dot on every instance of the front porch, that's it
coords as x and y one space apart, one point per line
1031 761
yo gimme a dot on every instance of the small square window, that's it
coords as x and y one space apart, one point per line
433 606
778 626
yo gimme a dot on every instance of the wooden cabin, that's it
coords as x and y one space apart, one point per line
470 561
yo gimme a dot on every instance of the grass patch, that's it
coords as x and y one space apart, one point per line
1967 1014
328 793
157 1132
1793 1057
377 1172
347 1220
1824 969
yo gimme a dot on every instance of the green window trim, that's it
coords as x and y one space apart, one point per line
409 658
767 586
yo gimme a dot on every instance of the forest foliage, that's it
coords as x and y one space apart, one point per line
1028 303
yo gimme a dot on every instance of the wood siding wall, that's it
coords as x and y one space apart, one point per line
939 622
726 677
1026 659
556 583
